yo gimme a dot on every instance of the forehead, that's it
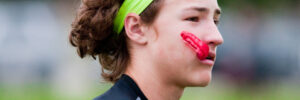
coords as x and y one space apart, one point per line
170 5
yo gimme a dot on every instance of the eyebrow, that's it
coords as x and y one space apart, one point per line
203 9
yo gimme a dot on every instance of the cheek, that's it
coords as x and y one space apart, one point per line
180 62
170 48
174 52
170 44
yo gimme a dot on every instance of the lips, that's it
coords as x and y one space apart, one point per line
201 48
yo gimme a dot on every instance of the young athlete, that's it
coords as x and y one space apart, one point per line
149 49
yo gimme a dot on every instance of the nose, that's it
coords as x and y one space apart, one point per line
213 37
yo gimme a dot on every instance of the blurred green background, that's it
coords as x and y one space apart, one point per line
259 60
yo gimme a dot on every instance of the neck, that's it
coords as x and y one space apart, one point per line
151 82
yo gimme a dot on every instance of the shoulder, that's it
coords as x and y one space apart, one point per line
115 93
124 89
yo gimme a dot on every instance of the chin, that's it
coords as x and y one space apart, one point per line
202 83
200 80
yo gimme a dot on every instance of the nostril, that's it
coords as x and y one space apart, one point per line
216 42
213 38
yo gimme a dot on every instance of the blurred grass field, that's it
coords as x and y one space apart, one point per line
212 92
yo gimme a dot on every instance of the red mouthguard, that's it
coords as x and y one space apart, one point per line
196 44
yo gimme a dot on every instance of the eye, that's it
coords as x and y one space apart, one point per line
193 19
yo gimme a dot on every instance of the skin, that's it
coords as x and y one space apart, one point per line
160 62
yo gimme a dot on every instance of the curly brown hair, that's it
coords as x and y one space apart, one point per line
92 34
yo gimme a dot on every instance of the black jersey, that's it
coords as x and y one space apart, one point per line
124 89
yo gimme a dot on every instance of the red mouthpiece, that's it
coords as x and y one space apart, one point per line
196 44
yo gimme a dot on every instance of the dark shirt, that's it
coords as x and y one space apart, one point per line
124 89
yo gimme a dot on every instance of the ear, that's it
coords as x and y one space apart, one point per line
133 28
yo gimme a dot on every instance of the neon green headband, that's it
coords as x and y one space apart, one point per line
129 6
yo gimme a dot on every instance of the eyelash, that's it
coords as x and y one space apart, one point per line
193 19
196 19
216 22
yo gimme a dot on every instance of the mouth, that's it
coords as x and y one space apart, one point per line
211 56
209 60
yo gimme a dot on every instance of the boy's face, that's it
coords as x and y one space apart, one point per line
175 60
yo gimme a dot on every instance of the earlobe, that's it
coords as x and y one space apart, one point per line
133 28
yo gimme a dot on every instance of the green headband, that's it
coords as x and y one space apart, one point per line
129 6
